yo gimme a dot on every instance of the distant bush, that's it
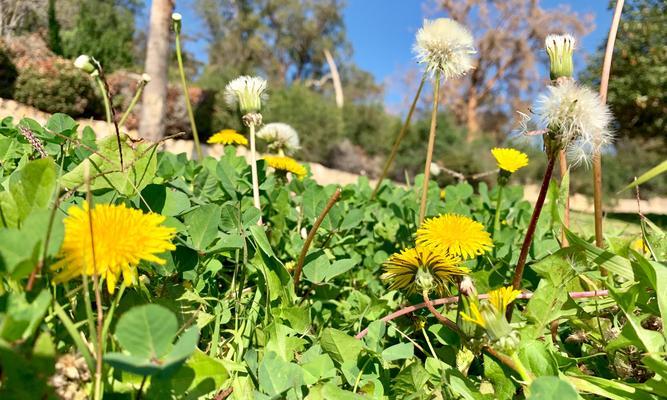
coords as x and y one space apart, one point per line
55 85
8 75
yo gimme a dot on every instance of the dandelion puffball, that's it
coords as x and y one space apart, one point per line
280 137
246 92
577 118
446 46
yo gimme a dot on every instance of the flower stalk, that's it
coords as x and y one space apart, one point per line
145 78
399 138
431 144
496 216
176 19
251 121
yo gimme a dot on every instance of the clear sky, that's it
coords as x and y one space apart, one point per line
382 33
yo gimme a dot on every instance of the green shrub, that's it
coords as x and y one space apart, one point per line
55 85
8 75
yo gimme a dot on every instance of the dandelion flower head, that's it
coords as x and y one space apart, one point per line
577 118
455 234
403 270
246 93
286 164
493 307
509 160
445 45
228 136
112 244
280 137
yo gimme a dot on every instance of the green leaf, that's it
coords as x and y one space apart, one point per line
61 123
605 259
339 345
551 388
23 318
319 368
537 357
198 377
339 267
398 352
147 331
648 175
277 376
316 267
32 186
202 225
261 240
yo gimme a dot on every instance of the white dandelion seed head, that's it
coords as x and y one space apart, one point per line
145 77
280 137
577 117
176 17
564 42
246 92
445 45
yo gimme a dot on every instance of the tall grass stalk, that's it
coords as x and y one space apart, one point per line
431 144
399 138
604 85
188 106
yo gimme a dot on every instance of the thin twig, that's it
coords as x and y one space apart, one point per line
444 320
311 235
455 299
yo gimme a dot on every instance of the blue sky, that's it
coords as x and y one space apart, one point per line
382 33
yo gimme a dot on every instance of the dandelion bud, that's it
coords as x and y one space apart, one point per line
246 93
84 63
467 287
176 19
145 78
560 49
435 169
424 280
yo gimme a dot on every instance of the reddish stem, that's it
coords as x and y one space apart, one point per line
450 300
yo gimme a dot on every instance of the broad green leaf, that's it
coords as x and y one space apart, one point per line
551 388
32 186
398 352
262 241
537 358
316 268
61 123
202 225
147 331
339 345
339 267
277 376
319 368
23 318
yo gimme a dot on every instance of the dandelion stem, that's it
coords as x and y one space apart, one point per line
105 99
399 138
111 120
562 163
428 341
518 272
188 106
496 217
253 170
135 99
311 235
597 161
444 320
431 144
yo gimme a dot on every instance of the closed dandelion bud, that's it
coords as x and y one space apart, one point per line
145 78
467 287
176 19
435 169
246 93
509 343
84 63
560 49
496 325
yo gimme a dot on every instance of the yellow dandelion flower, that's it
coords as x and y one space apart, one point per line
639 246
121 237
286 164
455 234
493 308
510 160
405 269
501 298
228 136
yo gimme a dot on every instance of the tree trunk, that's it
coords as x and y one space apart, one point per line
471 119
154 101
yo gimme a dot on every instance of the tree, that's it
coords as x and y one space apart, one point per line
509 41
19 15
282 39
154 101
55 43
105 30
637 95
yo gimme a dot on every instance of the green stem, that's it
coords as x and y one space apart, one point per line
105 97
112 309
399 138
431 144
135 99
253 170
361 371
522 371
428 341
75 335
496 218
89 310
188 106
